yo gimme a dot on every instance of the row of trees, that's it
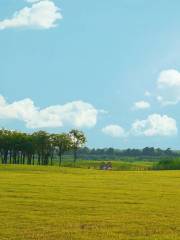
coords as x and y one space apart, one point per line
39 147
112 153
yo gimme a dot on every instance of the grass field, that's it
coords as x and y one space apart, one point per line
116 164
62 204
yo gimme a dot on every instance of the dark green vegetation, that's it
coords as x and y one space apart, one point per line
150 153
52 203
168 164
39 147
42 148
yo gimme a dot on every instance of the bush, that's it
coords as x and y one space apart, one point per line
168 164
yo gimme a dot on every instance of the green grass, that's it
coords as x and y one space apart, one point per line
48 203
116 164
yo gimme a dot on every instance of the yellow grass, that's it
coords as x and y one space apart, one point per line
48 203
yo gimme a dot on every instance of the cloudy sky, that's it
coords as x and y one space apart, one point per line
110 68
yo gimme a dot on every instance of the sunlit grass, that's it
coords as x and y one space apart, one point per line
52 203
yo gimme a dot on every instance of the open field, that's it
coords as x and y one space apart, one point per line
50 203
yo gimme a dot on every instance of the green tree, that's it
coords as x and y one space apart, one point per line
78 139
63 144
42 143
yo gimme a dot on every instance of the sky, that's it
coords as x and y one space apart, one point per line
108 68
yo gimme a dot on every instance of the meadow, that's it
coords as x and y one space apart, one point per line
117 165
52 203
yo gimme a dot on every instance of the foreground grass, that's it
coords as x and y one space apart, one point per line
77 204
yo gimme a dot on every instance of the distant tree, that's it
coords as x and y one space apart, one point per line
78 139
19 148
42 143
168 152
110 151
63 143
148 151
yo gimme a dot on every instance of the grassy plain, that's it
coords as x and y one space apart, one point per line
51 203
116 164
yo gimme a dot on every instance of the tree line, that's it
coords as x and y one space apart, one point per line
39 147
112 153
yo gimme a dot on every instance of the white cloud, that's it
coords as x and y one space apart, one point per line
169 78
75 114
168 85
42 14
114 131
155 125
141 105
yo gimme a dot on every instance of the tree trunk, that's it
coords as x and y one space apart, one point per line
52 159
24 158
5 157
75 155
39 159
33 159
10 157
18 157
60 159
14 157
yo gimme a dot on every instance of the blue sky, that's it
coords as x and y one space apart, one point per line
110 68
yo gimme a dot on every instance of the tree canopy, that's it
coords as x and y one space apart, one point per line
39 147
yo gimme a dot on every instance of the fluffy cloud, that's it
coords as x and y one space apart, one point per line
75 114
168 85
155 125
141 105
114 131
42 14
